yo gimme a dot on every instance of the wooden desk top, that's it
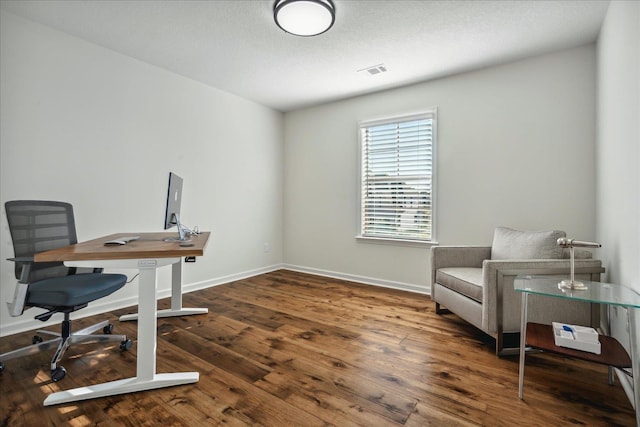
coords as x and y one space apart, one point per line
150 245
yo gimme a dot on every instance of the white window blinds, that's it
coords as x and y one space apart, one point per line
397 178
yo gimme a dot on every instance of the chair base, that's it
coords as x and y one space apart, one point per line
62 342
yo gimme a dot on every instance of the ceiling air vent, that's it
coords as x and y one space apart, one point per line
376 69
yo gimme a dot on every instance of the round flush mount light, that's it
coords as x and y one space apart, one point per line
304 18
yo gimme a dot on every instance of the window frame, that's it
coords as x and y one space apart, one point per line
399 118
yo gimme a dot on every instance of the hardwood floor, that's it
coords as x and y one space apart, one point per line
292 349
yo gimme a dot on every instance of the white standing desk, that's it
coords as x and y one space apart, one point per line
147 254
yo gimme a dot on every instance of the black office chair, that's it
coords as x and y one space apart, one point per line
38 226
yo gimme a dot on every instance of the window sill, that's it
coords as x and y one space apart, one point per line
396 242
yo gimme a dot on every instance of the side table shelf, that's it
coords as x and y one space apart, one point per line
612 353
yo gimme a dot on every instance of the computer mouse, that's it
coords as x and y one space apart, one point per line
186 245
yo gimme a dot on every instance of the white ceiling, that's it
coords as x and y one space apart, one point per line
235 46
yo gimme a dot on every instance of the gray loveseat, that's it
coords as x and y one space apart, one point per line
476 283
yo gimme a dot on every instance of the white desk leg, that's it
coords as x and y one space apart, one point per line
523 340
147 324
146 377
176 299
635 360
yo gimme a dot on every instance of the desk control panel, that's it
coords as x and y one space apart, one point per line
146 263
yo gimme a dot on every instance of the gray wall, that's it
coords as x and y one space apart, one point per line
516 147
618 152
101 130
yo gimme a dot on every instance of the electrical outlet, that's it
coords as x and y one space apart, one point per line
267 247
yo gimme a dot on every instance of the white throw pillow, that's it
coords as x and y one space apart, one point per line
515 244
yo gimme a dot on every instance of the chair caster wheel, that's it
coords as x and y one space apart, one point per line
58 374
36 339
108 329
126 345
1 366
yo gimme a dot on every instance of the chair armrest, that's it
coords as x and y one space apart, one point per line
498 289
24 259
17 305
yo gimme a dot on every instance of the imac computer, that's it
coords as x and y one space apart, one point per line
172 213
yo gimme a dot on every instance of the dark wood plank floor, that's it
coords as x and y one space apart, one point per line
292 349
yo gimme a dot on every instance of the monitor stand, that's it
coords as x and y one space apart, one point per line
182 235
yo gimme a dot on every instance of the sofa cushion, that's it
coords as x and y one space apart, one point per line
577 254
464 280
514 244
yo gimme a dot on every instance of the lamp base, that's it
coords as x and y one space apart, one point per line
572 285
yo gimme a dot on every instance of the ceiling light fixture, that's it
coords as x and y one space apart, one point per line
304 18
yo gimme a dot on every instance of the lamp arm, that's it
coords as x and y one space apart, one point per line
571 243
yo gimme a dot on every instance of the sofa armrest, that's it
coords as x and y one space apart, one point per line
498 276
578 253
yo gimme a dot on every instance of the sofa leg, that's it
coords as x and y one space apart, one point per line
499 344
440 310
511 341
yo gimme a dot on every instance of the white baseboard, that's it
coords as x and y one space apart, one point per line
410 287
225 279
28 323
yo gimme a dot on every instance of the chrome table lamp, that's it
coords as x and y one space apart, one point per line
573 284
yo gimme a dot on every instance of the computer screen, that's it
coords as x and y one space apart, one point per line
172 212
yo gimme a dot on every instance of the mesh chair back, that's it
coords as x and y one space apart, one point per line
38 226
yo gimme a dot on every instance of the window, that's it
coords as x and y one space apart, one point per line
396 199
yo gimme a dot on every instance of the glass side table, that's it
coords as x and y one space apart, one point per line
612 352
